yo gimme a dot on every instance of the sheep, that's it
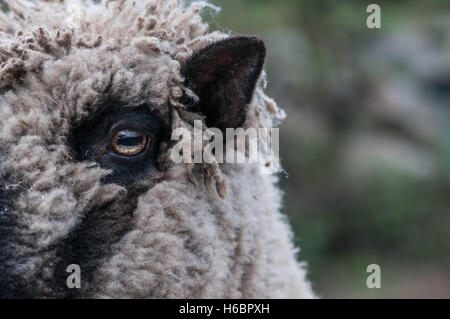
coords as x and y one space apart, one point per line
89 95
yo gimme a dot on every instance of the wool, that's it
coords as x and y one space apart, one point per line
204 230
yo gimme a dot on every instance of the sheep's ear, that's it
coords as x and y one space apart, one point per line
224 75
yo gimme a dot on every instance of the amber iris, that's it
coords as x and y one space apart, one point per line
129 143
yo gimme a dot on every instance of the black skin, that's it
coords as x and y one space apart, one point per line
94 142
223 75
10 285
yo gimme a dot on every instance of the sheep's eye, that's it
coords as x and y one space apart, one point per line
129 143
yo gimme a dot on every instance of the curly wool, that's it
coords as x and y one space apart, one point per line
59 62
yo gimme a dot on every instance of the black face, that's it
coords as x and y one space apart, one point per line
124 140
4 202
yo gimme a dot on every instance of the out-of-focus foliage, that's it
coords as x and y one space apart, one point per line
366 144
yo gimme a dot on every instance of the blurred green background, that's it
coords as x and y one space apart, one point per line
366 142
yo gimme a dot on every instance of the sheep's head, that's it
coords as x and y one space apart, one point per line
87 108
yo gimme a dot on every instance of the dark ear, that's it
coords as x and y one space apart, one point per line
224 76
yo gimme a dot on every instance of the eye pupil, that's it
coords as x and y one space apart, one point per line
128 142
129 138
